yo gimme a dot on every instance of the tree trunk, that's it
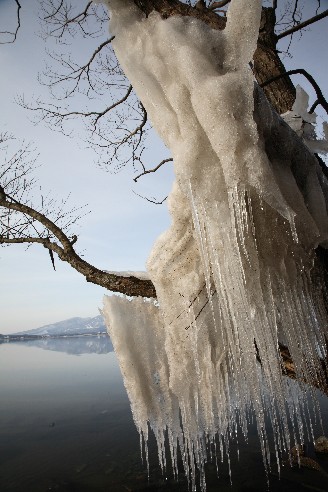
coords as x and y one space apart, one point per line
280 94
267 63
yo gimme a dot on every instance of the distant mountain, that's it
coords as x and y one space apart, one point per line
68 327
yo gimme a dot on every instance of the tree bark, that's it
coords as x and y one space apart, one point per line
167 8
267 64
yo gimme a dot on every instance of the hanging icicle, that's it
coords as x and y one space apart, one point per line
233 274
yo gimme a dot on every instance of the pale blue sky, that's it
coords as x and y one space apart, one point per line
119 232
116 235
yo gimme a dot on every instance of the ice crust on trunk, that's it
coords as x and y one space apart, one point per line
233 273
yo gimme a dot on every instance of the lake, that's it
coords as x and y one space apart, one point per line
66 425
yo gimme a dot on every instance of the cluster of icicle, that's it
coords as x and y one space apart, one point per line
232 272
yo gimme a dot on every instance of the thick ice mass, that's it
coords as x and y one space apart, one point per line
233 273
303 123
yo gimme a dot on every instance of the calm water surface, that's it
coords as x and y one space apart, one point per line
66 425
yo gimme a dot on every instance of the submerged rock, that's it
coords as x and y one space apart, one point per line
321 444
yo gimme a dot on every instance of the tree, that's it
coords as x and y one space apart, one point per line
21 220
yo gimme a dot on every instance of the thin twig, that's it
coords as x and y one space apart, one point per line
152 170
76 74
62 116
56 11
300 26
297 22
77 18
14 34
149 199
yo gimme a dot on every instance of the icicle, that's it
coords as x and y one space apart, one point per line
230 271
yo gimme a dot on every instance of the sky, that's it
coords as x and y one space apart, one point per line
121 228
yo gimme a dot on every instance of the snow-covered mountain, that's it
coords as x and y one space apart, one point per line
72 326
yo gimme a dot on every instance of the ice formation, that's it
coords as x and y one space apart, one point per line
303 123
233 273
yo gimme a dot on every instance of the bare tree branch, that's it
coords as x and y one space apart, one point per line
147 171
320 97
18 25
13 204
314 105
115 143
65 251
296 21
129 285
301 25
318 7
58 117
62 19
56 11
77 18
23 223
151 200
76 74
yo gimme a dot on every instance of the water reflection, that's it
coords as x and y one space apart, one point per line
65 421
100 344
66 426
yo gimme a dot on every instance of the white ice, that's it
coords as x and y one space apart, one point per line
233 273
303 123
141 275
